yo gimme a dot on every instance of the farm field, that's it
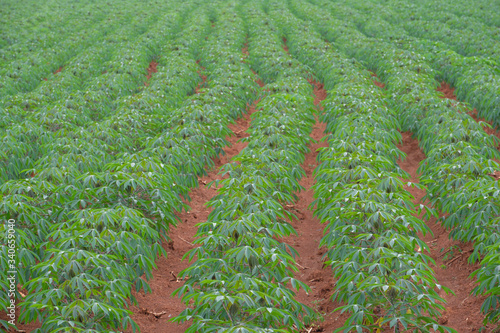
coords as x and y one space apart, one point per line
250 166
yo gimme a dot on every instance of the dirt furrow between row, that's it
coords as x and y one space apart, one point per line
203 78
152 68
312 271
452 269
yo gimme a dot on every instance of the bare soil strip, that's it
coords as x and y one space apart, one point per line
452 269
312 270
258 80
376 80
57 71
203 78
151 69
285 47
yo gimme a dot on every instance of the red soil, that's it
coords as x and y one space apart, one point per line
57 71
377 82
310 231
447 90
203 79
285 47
200 85
151 69
319 92
258 80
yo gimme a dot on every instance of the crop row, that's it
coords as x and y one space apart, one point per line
26 71
383 278
80 97
241 279
88 226
459 153
44 25
482 10
476 78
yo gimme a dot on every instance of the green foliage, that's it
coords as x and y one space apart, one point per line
371 235
242 280
103 167
460 155
95 162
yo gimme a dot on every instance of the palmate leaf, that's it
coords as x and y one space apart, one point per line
119 114
338 206
239 251
69 158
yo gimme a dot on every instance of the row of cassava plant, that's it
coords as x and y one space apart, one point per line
383 277
93 211
475 78
242 280
460 155
90 89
